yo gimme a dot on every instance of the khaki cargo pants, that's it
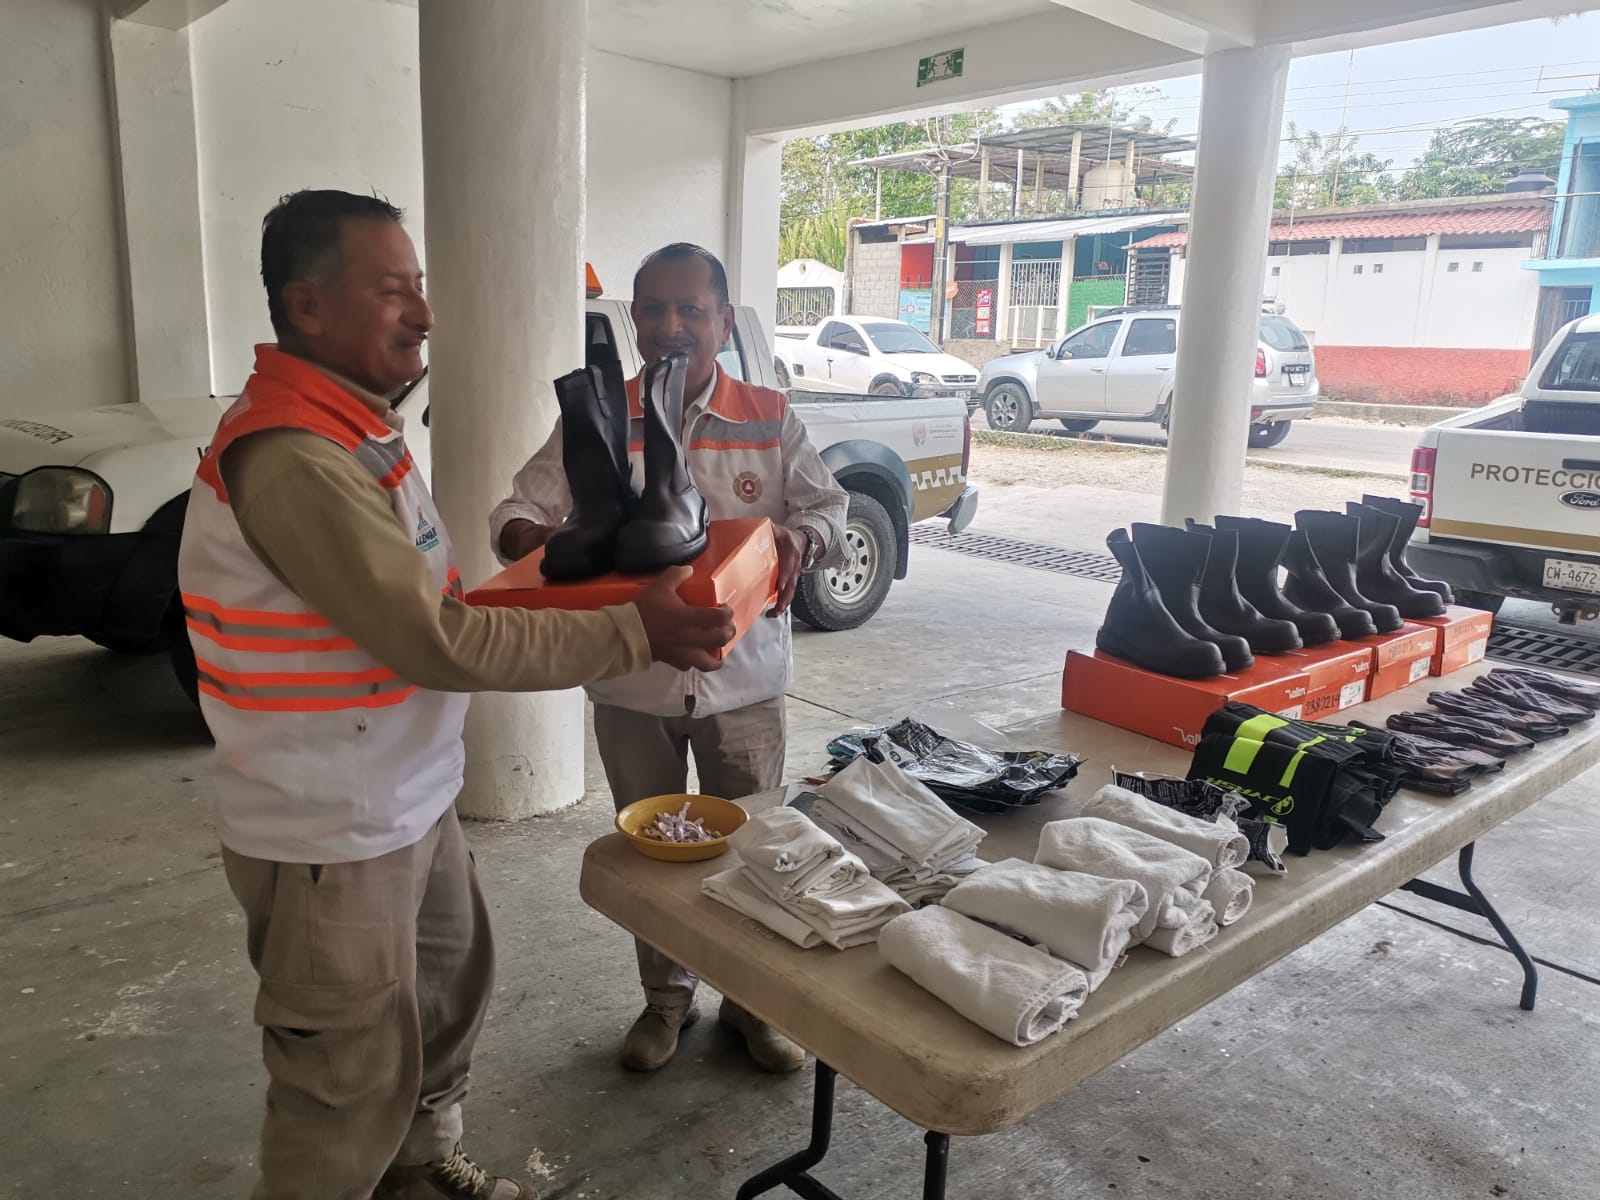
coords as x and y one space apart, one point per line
736 754
374 978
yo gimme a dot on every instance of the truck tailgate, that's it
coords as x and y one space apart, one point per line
1538 490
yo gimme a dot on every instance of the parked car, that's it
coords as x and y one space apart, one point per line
1510 491
1119 367
869 356
92 503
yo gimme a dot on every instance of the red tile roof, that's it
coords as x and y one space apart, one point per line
1393 225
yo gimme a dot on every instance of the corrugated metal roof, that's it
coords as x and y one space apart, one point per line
1390 225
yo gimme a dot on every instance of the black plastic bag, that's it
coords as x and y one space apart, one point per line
959 773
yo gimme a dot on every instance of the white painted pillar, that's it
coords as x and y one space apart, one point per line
754 187
983 183
503 174
1002 297
1069 255
1016 190
1073 169
165 279
1241 112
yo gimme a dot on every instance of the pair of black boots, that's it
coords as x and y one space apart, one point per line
610 528
1206 600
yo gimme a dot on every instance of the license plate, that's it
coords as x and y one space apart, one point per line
1568 576
964 394
1296 380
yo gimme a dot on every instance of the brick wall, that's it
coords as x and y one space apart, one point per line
875 282
1418 374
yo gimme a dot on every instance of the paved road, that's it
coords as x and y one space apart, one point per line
1371 449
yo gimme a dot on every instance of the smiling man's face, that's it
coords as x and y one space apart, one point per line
676 309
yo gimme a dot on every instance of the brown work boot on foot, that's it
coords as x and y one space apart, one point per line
455 1178
768 1048
653 1038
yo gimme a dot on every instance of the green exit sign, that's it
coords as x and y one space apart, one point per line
936 68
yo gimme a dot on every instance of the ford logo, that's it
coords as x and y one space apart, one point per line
1581 499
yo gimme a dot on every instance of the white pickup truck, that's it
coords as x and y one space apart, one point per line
869 356
1511 491
92 502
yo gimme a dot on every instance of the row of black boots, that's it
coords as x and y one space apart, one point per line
1206 600
611 528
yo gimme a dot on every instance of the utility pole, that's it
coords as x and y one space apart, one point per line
941 247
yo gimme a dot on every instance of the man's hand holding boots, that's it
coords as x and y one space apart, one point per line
521 538
681 635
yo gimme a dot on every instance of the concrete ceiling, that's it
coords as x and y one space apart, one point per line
747 37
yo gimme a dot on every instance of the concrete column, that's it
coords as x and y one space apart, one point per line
1241 112
503 175
983 183
153 94
1038 184
1069 255
1002 297
754 188
1016 190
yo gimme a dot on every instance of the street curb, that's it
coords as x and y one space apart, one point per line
1049 443
1413 415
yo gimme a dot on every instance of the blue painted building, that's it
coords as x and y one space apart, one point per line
1569 274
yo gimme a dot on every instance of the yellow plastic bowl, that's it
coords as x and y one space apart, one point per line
722 815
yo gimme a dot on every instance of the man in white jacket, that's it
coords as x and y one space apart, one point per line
749 456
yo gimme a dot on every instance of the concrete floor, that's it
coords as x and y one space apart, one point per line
1388 1058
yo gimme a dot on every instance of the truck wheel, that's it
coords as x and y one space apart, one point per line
1487 601
887 387
1008 408
1268 434
1072 426
780 373
845 596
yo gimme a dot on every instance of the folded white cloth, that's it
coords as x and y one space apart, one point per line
1099 847
1085 919
1016 992
1191 936
789 857
890 819
919 889
1230 893
841 917
1219 842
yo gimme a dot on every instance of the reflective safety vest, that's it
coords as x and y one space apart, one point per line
735 456
323 753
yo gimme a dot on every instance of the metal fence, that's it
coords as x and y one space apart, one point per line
972 311
1035 302
805 305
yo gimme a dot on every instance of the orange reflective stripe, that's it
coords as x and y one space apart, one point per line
305 703
257 679
266 645
255 616
704 444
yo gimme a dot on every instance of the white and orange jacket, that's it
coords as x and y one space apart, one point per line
749 456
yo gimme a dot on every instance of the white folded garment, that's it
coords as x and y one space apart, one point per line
842 918
814 863
1098 847
736 889
1219 842
919 889
1085 919
1016 992
881 805
1230 893
1178 942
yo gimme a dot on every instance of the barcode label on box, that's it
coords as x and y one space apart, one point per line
1352 694
1419 669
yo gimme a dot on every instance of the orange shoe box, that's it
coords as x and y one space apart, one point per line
1337 677
738 567
1400 659
1173 710
1463 638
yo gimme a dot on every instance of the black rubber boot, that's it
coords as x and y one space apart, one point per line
1308 587
669 524
1375 573
1261 547
1176 559
1335 539
594 452
1223 608
1139 628
1408 514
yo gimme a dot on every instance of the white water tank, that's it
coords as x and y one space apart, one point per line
1108 185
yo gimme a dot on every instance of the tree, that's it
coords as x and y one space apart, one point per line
1327 171
1474 158
1095 108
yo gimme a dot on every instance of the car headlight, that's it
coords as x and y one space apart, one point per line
61 500
922 377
